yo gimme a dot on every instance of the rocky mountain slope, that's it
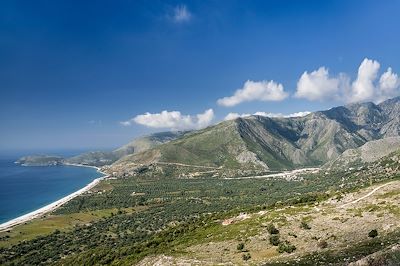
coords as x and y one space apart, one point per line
367 153
259 143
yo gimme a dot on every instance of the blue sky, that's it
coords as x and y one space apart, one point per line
72 71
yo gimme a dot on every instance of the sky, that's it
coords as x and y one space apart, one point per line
96 74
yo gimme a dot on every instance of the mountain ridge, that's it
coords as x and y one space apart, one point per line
101 158
256 144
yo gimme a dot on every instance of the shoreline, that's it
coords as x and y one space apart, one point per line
54 205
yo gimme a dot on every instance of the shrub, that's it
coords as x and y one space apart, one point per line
286 247
274 240
305 225
246 256
373 233
240 246
322 244
272 229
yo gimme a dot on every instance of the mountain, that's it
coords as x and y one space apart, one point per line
257 144
147 142
39 160
101 158
367 153
94 158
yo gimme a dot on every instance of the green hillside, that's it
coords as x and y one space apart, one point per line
256 144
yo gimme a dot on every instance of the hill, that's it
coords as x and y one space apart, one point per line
101 158
39 160
367 153
257 144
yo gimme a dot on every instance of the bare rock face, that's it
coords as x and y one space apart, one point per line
250 157
374 150
369 152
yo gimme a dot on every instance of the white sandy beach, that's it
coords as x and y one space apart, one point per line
52 206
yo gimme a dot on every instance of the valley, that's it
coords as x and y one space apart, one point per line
250 191
182 219
199 132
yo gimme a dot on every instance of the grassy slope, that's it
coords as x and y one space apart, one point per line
216 146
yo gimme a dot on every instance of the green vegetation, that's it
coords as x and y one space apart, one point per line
272 229
286 247
305 225
40 160
246 256
373 233
322 244
352 253
274 240
136 217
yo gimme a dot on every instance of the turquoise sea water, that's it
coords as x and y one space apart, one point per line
26 188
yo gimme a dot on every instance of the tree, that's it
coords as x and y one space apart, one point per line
286 247
305 225
246 256
373 233
274 240
322 244
272 229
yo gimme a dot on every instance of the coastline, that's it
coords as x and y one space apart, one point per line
54 205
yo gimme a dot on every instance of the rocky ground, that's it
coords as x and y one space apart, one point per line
335 224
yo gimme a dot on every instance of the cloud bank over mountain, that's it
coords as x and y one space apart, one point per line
172 120
232 116
320 86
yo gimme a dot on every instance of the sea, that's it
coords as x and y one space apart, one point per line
24 189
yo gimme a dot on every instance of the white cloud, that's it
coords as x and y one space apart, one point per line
255 91
299 114
181 14
363 88
204 119
389 85
126 123
317 85
173 120
232 116
269 114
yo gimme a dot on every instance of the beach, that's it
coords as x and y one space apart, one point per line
54 205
